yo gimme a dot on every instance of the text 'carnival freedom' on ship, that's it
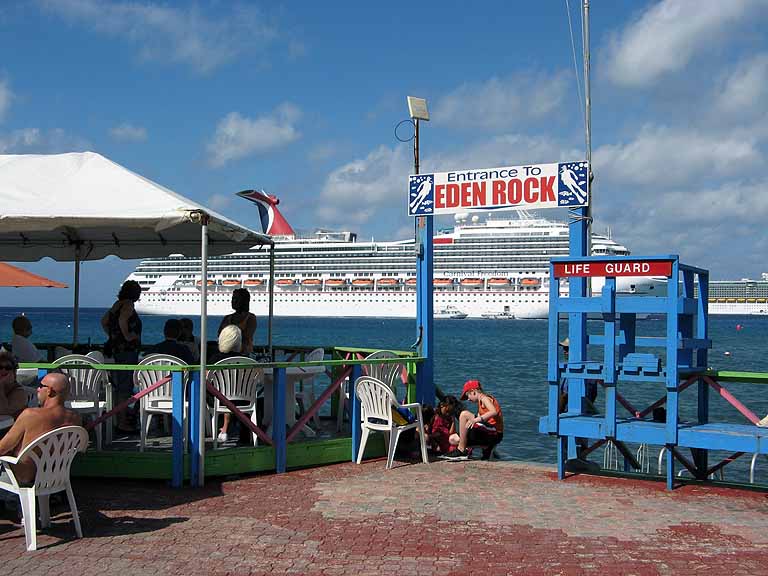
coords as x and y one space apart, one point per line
496 267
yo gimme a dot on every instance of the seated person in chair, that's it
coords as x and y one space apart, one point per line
13 398
34 422
22 347
171 344
485 429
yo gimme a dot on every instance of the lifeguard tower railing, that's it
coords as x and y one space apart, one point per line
681 363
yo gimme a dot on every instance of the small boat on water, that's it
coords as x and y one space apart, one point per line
449 312
506 315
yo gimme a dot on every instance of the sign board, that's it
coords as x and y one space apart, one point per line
530 187
603 268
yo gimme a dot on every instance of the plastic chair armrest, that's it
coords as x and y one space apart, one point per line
9 459
411 405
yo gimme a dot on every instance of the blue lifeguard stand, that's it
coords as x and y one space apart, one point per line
684 346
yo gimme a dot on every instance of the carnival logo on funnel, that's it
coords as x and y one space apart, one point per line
572 184
421 194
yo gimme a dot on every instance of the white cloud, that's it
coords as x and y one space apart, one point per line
744 91
719 227
36 141
127 132
674 156
6 97
357 190
501 103
667 36
219 202
374 186
237 136
175 34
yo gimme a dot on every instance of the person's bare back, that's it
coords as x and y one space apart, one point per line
34 422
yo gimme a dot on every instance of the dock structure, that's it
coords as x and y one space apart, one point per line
617 357
282 446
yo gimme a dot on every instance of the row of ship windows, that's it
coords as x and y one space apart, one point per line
478 263
470 256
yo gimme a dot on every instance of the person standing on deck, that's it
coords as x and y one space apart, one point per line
242 318
123 328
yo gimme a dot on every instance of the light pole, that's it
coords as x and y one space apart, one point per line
425 385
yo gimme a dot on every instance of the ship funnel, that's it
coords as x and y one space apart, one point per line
273 222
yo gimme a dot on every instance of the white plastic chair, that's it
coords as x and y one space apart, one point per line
52 454
390 374
160 400
32 401
84 389
377 402
387 373
106 385
238 385
306 393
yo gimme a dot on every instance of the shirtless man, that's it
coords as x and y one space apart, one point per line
34 422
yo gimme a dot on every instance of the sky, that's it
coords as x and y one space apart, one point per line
302 99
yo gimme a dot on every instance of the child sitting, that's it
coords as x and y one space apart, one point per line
441 425
485 429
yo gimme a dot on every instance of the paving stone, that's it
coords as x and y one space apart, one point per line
446 518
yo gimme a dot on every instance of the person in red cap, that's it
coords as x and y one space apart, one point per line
486 428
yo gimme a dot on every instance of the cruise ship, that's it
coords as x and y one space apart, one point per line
490 267
739 296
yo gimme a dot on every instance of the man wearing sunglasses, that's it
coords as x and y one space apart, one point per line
13 399
34 422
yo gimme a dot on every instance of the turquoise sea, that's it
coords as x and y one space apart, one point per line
507 356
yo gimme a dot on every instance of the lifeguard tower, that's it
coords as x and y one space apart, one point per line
677 361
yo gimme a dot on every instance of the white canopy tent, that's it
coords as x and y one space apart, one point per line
82 206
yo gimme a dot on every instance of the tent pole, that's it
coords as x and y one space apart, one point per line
271 300
203 348
76 312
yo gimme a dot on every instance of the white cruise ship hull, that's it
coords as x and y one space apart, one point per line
359 304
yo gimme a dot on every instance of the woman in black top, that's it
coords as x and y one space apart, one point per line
123 328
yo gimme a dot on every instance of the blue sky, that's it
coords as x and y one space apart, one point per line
301 99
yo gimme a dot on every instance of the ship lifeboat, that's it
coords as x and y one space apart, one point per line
200 282
530 282
230 282
472 282
498 282
388 282
285 283
313 283
253 282
440 282
335 283
410 284
362 282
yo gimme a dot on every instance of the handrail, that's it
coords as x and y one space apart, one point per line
193 367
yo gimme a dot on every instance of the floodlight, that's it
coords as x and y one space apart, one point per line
417 108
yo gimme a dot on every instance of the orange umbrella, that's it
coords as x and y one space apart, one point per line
13 277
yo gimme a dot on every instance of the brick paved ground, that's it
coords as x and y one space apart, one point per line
447 518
